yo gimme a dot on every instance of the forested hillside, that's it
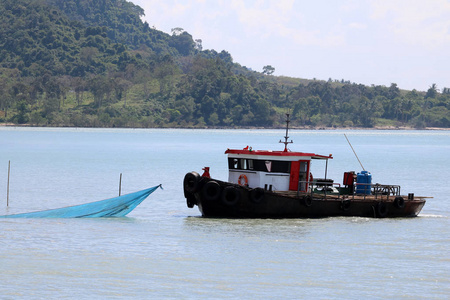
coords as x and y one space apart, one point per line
96 64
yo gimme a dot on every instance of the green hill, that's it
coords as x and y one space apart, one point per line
96 64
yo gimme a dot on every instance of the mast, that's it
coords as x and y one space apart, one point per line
286 137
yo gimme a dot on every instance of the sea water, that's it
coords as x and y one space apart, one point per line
165 250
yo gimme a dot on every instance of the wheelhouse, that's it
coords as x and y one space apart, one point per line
271 170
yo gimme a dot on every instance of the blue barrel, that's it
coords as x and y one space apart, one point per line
363 183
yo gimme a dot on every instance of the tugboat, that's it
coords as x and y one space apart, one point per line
279 184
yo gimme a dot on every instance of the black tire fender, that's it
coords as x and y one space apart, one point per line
191 201
230 196
399 202
345 205
382 209
190 182
307 200
257 195
211 191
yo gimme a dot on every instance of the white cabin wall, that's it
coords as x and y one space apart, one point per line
278 181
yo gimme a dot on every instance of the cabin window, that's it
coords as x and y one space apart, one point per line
258 165
281 166
243 164
250 164
235 163
270 166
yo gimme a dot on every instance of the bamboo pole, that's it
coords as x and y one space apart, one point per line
120 184
7 187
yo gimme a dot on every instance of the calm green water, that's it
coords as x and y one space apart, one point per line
165 250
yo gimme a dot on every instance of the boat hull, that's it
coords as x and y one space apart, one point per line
220 199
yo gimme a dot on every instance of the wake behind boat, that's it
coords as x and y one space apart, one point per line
279 184
113 207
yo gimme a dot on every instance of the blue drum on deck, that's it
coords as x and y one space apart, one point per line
363 183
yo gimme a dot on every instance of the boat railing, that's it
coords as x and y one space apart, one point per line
385 190
328 187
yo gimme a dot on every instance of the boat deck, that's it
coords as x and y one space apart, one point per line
358 197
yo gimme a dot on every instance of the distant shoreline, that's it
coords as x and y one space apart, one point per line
217 127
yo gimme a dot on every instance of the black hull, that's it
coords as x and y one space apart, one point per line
219 199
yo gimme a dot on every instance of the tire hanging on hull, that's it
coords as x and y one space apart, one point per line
190 186
399 202
211 191
345 205
257 195
307 200
230 196
190 182
382 209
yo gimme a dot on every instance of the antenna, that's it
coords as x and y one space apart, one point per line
286 137
354 152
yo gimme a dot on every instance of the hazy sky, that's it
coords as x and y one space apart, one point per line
370 42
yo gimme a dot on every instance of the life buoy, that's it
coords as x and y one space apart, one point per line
190 182
257 195
211 191
230 196
307 200
382 209
345 205
243 180
399 202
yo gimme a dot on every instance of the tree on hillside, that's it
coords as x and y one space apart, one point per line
432 91
177 31
268 70
183 42
198 45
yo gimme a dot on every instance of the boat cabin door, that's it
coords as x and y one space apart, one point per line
299 176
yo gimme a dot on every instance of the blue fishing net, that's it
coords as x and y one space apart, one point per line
114 207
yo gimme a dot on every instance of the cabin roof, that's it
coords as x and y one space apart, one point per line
250 152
